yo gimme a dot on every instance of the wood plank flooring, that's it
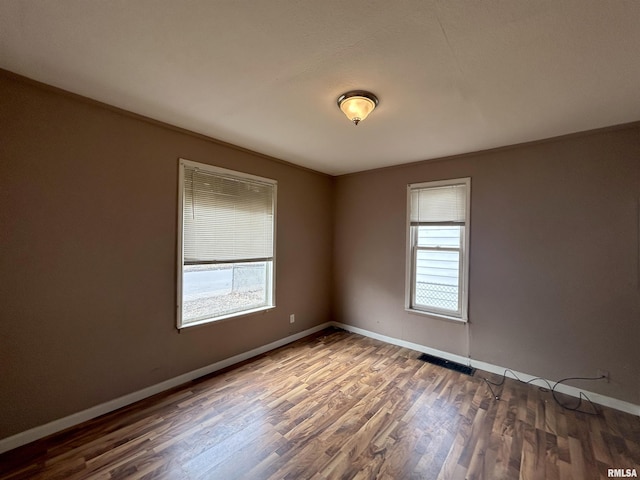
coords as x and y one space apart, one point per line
337 405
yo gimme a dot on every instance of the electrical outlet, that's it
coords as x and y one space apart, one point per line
292 318
603 373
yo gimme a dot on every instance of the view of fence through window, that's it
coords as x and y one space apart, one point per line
438 252
216 290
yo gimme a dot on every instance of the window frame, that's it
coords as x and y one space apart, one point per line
412 250
270 269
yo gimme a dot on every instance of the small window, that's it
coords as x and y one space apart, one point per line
438 248
226 243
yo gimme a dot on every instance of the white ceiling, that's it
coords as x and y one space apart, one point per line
452 76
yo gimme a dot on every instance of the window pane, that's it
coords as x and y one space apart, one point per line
438 247
439 236
437 279
217 290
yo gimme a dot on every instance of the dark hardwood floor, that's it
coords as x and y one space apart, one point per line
338 405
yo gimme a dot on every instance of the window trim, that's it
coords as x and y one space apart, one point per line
464 266
271 279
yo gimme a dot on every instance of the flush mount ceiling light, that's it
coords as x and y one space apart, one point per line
357 104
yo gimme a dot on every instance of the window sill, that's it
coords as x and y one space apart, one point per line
209 321
438 316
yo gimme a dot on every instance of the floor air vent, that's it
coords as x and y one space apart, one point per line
441 362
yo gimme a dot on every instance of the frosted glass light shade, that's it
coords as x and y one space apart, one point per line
357 105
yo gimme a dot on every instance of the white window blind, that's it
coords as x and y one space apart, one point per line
444 205
227 219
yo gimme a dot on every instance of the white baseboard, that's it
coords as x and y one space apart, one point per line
55 426
562 388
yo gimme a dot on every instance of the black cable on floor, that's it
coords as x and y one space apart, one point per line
552 389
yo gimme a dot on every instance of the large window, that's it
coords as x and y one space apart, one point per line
438 248
225 243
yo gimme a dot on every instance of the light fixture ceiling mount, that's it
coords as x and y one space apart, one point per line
357 104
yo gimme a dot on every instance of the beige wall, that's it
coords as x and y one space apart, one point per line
553 258
88 200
